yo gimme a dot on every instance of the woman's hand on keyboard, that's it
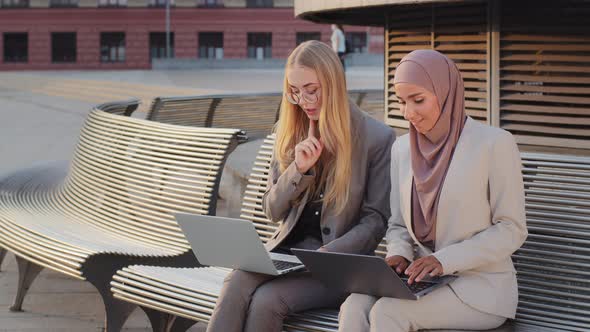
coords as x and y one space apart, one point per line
423 266
399 263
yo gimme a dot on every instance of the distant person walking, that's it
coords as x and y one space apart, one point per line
339 42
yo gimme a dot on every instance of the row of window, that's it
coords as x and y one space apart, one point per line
123 3
112 45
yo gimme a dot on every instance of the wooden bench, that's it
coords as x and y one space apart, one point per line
126 108
552 265
114 205
256 114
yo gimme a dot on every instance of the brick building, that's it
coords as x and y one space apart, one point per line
128 34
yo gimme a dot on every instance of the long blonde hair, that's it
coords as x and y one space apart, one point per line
335 164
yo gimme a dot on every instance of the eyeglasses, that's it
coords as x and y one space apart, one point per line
296 98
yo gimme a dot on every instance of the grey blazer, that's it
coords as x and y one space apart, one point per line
361 226
481 217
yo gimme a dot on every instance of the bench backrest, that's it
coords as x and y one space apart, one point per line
253 113
256 114
131 175
553 265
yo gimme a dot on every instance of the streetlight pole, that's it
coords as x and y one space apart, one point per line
167 29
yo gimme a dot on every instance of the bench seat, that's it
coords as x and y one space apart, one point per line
552 265
192 292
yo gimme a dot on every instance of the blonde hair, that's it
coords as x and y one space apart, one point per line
334 167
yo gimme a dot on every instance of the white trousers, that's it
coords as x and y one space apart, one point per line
441 309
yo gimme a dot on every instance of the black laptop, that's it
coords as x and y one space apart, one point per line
365 274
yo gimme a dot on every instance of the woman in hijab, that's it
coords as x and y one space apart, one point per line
457 207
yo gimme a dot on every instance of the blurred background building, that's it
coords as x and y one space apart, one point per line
525 63
131 34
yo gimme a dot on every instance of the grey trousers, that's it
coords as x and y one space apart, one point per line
253 302
441 309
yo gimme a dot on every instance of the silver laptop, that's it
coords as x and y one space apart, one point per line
233 243
365 274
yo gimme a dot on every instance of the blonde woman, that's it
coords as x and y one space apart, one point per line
328 190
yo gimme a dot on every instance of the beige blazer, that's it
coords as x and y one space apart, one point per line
362 224
481 216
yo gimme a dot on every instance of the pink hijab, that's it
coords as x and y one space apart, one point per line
431 153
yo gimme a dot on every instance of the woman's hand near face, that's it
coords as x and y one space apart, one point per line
422 267
308 152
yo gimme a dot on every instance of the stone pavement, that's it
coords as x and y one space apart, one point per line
40 117
57 303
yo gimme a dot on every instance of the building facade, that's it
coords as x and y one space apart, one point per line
525 63
129 34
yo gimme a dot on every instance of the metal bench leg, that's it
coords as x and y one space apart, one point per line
182 324
2 255
116 312
27 272
160 321
99 271
164 322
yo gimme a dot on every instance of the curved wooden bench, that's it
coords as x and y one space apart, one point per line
126 108
552 265
114 206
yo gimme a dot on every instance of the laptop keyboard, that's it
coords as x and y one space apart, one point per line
417 287
282 265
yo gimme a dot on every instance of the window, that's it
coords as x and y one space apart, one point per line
357 41
305 36
63 47
16 47
112 3
259 3
211 45
210 3
158 45
112 47
63 3
259 45
160 3
15 3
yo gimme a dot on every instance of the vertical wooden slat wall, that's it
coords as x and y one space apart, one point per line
459 31
530 65
545 73
407 29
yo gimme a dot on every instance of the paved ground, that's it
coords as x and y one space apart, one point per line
40 117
